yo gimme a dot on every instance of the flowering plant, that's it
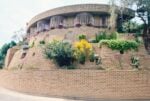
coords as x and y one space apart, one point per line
82 50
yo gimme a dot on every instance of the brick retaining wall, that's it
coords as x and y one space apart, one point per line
80 83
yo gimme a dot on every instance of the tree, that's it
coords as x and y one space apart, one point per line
112 14
3 52
131 27
19 35
1 61
4 49
122 5
143 12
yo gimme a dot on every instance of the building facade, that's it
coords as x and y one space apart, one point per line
92 15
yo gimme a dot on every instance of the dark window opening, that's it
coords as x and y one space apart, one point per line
103 21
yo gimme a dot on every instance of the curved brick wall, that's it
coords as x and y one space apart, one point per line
36 60
80 83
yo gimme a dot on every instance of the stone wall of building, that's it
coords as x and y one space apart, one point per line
10 55
86 84
35 58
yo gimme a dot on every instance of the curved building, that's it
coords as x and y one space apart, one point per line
91 15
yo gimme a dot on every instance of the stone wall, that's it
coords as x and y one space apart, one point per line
110 59
10 55
60 34
34 59
89 84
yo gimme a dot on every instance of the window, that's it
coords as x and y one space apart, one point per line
103 21
84 19
56 22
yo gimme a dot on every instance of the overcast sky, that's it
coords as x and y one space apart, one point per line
14 14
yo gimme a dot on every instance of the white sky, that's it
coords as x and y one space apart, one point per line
14 14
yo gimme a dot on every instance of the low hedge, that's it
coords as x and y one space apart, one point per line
120 45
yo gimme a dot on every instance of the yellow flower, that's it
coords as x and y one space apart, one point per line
82 49
88 46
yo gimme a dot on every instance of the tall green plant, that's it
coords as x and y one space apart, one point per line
100 36
3 52
103 35
60 52
81 36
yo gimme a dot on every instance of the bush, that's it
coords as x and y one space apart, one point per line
100 36
42 42
120 45
1 61
81 36
91 56
3 52
82 58
60 52
113 35
103 36
4 49
139 40
82 50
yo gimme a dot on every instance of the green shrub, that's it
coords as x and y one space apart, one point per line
100 36
60 52
139 40
113 35
103 35
3 52
120 45
81 36
42 42
91 56
1 61
82 58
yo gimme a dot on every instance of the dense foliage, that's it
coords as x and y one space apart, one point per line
42 42
120 45
3 52
61 53
103 35
81 36
131 27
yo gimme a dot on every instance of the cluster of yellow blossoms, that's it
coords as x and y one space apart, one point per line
83 45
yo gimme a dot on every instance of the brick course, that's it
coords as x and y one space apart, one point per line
94 84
